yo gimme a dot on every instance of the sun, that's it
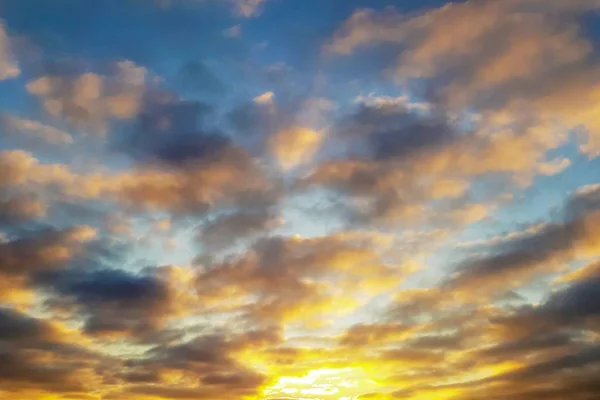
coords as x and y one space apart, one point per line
322 383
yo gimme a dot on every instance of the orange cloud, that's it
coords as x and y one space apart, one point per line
294 146
90 101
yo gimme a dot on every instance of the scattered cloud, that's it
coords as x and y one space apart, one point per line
89 101
401 204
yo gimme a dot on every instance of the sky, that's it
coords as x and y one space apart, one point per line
299 199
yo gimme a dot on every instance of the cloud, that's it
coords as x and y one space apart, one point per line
248 8
385 145
117 303
228 229
185 165
341 239
516 261
29 251
89 101
34 129
280 278
20 328
262 117
20 209
266 98
20 168
414 358
574 306
193 189
28 341
177 133
362 334
588 271
8 64
205 365
394 163
527 345
186 187
294 146
514 348
543 36
527 382
169 132
44 250
241 8
273 125
476 69
234 31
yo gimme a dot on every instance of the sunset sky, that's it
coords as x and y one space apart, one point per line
299 199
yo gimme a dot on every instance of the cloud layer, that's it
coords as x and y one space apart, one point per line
300 200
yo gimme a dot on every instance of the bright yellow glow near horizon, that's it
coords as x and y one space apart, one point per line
322 383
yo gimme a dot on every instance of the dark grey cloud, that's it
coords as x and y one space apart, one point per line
394 132
374 157
24 340
576 306
179 138
521 254
583 201
579 359
17 327
229 229
537 252
579 300
524 346
173 132
111 300
209 358
438 342
254 122
41 250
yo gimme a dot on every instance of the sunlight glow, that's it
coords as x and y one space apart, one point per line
327 383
